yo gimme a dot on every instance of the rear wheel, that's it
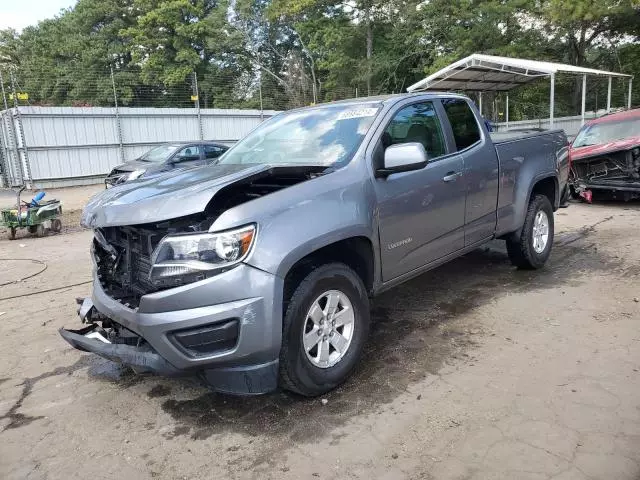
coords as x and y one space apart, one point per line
533 248
324 330
56 225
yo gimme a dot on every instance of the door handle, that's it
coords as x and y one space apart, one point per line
451 176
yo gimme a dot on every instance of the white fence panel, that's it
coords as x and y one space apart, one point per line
75 146
151 126
68 126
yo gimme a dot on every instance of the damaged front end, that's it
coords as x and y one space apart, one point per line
616 171
110 340
170 291
135 260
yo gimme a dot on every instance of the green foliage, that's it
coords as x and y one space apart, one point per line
287 53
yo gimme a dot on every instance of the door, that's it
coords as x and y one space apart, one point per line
421 213
188 157
481 173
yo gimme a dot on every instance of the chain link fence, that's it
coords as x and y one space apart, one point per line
127 88
220 104
116 114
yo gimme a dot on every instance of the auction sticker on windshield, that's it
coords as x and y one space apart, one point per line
357 113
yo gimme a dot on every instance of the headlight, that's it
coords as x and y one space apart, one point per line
135 174
200 253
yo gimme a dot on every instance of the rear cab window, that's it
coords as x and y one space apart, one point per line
464 124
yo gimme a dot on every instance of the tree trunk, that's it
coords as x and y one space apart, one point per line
577 53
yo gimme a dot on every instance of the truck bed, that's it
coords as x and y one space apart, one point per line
518 134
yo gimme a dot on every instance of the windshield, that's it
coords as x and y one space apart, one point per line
326 136
159 154
600 133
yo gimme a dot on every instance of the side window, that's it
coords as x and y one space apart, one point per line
416 123
188 154
211 151
463 122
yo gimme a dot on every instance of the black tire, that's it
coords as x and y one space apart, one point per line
12 233
32 229
40 230
297 372
521 252
56 225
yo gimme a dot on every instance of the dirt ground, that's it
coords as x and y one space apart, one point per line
472 371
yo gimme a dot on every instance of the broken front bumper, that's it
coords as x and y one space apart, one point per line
144 360
226 329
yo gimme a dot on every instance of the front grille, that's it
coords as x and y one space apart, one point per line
123 269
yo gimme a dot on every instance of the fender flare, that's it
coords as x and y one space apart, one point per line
315 244
522 210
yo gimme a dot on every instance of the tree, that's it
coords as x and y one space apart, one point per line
287 53
66 59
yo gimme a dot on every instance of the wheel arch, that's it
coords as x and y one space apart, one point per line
548 186
357 252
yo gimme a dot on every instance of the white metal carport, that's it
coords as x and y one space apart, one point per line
488 73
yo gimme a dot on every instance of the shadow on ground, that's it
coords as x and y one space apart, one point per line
414 333
412 336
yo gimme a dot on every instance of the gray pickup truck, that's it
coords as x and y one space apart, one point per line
257 271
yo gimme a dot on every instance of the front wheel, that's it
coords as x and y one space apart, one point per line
533 248
324 330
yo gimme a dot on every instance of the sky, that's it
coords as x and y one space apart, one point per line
22 13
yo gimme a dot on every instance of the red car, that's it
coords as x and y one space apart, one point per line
605 155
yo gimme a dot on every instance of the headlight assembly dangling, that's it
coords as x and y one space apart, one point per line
200 254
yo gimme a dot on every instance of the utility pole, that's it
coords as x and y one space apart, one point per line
118 125
21 143
196 100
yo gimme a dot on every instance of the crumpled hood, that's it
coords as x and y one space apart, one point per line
588 151
172 195
132 165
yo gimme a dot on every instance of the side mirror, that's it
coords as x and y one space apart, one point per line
403 157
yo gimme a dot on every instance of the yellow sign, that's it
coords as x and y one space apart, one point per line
20 95
194 98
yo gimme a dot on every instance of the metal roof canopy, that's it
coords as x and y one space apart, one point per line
488 73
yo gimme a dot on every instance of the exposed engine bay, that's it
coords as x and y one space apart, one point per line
123 254
615 171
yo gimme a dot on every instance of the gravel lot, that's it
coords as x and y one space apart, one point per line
473 371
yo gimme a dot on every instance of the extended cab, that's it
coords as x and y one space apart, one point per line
257 271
